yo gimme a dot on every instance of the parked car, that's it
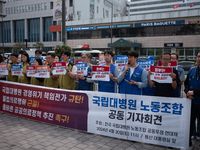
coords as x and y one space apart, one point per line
186 65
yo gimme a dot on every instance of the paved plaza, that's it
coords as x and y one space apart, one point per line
18 133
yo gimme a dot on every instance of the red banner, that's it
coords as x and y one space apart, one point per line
100 68
59 107
171 63
161 69
59 64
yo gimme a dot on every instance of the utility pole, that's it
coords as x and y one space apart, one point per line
63 23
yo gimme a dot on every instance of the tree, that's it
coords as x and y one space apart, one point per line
18 46
60 48
39 45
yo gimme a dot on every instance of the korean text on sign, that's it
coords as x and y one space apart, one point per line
42 71
30 71
101 73
121 61
3 69
82 69
161 74
59 68
16 70
145 64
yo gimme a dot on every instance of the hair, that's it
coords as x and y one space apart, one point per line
58 57
175 54
1 58
132 53
14 54
39 60
165 53
66 52
38 51
198 53
109 52
87 54
52 55
26 54
22 51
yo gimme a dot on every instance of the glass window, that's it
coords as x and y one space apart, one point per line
23 9
105 33
47 35
151 51
34 30
180 51
143 51
39 7
70 3
8 10
26 8
159 31
51 5
178 29
29 8
159 51
189 52
11 10
7 32
97 9
132 32
17 9
42 6
14 10
20 9
45 6
197 50
19 31
169 30
116 33
167 50
149 31
35 7
32 7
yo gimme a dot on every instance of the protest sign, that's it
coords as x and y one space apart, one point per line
59 68
145 64
42 71
82 69
3 69
101 59
32 59
101 73
161 74
171 63
78 61
121 61
16 70
30 71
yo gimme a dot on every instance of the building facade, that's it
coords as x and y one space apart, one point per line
88 26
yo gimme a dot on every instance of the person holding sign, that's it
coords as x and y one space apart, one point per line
181 73
68 80
109 86
165 89
132 77
25 62
84 82
14 58
53 80
192 89
34 80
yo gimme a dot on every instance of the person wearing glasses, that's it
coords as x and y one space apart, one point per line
85 82
165 89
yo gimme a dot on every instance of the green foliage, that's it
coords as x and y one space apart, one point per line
60 48
18 46
159 53
39 45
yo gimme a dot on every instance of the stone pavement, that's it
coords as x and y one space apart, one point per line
18 133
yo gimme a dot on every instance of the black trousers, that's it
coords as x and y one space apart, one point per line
195 111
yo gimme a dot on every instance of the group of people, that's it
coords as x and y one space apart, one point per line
131 79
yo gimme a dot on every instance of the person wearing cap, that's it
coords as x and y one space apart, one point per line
84 81
181 73
132 77
13 59
109 86
149 91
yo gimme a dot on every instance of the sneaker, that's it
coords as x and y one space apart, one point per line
198 138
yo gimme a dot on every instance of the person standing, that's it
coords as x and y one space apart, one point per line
34 80
132 77
109 86
181 74
68 80
192 89
38 53
25 62
53 80
85 81
13 59
165 89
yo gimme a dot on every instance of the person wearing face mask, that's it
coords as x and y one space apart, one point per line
132 77
34 80
25 62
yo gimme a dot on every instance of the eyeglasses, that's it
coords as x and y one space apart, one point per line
83 57
165 59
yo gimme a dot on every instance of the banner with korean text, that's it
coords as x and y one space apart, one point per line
59 68
156 120
101 73
3 69
16 70
121 61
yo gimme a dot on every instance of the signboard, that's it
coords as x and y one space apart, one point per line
145 64
42 71
160 23
161 74
82 46
59 68
16 70
121 61
101 73
82 69
149 119
101 59
3 69
30 71
80 28
57 10
173 44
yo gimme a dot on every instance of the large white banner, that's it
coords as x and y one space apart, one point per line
156 120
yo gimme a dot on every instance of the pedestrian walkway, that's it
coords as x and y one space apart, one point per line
18 133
